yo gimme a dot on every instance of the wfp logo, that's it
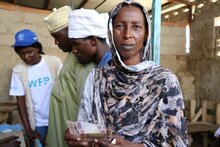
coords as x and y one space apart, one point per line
39 82
21 36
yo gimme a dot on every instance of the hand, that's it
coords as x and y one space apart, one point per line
74 140
116 142
32 135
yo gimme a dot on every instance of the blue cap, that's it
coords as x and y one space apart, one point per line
25 38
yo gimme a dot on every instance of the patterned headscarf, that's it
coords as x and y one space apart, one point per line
147 50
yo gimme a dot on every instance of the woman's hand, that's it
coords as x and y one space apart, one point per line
74 140
116 142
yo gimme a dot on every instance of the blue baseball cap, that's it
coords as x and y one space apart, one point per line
25 37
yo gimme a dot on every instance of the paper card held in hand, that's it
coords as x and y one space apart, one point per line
88 129
72 127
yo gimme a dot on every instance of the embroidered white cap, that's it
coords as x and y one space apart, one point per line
58 19
87 22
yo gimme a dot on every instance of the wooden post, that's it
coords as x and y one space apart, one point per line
156 29
218 113
72 4
192 108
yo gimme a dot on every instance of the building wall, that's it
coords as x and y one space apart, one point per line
204 64
174 57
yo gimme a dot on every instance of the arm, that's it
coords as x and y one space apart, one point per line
85 109
24 118
168 126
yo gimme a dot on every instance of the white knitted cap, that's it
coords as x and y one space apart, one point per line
58 19
87 22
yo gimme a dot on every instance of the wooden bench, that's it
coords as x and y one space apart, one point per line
190 108
5 113
5 110
207 118
16 133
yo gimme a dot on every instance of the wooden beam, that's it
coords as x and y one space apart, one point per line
7 109
14 1
3 117
13 7
163 5
192 108
8 104
218 113
196 116
83 4
100 4
47 4
182 2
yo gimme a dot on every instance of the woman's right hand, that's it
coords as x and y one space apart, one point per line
74 140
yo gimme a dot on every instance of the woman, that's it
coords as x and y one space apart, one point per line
139 100
31 83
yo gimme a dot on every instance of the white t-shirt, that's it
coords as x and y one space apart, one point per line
40 83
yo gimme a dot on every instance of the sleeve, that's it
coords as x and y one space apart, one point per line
168 126
16 88
60 67
85 109
217 133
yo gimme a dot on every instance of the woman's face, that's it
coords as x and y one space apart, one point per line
129 34
29 55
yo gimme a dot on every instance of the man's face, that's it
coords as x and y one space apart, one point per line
83 50
129 34
29 55
62 40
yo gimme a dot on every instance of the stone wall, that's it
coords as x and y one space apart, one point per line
204 64
174 57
